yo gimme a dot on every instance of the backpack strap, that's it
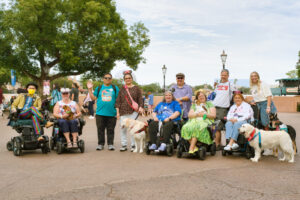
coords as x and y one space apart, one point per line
100 86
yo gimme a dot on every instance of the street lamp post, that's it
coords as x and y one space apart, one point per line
164 70
223 58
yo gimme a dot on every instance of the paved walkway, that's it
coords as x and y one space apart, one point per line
117 175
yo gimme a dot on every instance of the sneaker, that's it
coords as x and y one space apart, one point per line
162 147
235 146
99 147
132 148
75 145
123 148
91 117
228 148
153 147
111 147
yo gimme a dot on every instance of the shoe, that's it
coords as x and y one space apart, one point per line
153 147
193 151
69 145
75 145
40 138
228 148
219 148
162 147
132 148
49 124
99 147
91 117
123 148
235 146
111 147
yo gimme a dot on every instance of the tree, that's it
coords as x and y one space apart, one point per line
49 39
292 73
298 66
153 87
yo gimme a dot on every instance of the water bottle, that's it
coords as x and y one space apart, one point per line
56 130
283 127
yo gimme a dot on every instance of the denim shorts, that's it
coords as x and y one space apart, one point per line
68 126
264 117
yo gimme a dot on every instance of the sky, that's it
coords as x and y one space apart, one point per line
189 36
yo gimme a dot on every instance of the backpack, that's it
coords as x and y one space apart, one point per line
100 86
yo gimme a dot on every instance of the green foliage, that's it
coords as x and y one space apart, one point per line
153 87
4 76
203 86
298 66
245 90
67 37
62 82
292 73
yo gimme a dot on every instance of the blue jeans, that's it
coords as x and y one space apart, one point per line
264 117
232 129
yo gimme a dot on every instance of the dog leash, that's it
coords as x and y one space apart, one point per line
259 138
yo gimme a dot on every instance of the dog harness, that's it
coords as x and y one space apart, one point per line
252 136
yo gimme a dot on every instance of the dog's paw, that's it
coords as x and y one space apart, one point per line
141 151
281 159
291 161
253 159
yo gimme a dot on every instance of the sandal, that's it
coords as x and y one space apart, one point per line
69 145
75 145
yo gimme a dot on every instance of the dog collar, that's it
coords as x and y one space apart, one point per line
252 136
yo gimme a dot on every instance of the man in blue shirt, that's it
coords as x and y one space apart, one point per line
106 96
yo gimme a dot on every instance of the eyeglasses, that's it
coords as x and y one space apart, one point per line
180 77
127 78
107 78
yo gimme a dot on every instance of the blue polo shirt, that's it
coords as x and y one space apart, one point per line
106 101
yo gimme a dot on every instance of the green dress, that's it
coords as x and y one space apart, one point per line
197 127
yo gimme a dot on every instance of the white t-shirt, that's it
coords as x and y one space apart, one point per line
223 95
262 94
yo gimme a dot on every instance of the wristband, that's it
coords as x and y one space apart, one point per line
204 116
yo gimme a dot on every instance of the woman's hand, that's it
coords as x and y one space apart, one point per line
141 110
252 102
118 116
156 119
64 116
167 120
233 120
268 110
89 85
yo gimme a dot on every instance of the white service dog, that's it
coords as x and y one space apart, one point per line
137 129
269 140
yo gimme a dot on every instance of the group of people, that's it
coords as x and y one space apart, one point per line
113 103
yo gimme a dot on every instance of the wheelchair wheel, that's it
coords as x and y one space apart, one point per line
223 152
81 145
170 149
179 151
202 153
9 145
213 149
59 147
147 149
17 149
249 152
52 144
45 148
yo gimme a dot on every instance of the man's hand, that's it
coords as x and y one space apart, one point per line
156 119
167 119
13 110
179 101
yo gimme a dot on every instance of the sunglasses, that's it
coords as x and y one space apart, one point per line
180 77
107 78
65 93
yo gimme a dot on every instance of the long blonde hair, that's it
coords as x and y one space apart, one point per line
258 82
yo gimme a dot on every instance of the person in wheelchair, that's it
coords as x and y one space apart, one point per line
67 112
165 114
239 113
29 106
201 114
